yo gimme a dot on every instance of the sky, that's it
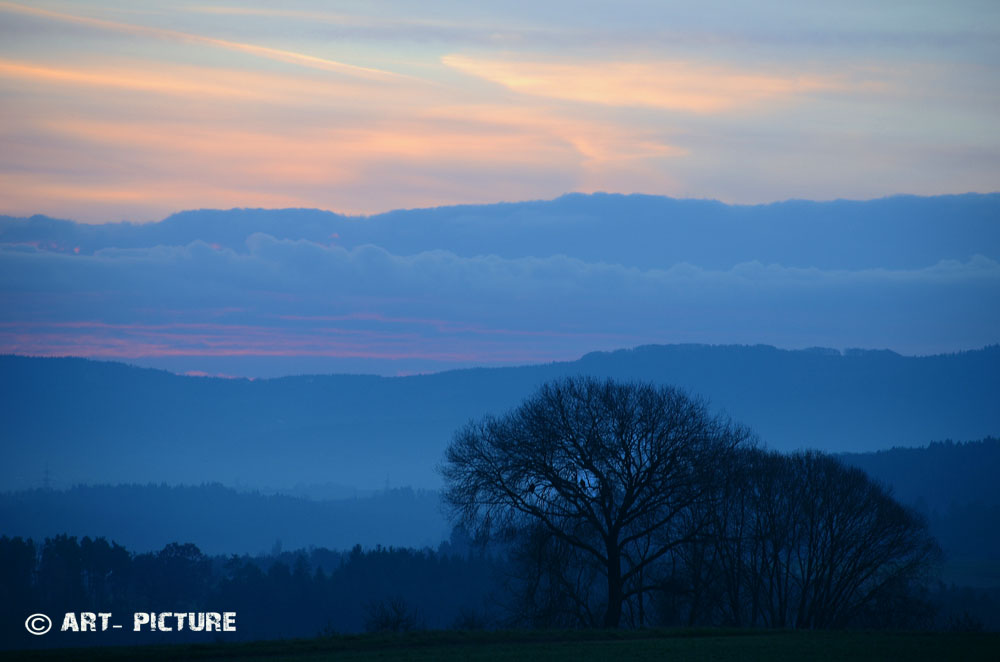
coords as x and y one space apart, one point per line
133 110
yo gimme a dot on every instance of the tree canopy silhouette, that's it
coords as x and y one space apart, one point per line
611 470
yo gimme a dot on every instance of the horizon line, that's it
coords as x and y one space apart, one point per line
845 352
498 203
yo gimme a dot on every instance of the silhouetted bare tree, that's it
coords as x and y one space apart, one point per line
613 472
857 542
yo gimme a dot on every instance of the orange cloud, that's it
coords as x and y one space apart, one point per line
280 55
62 195
202 85
679 86
353 20
290 158
191 165
609 155
200 158
130 79
251 150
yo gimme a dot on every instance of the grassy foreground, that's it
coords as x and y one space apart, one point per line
584 646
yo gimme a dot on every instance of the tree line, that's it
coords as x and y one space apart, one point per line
461 585
303 593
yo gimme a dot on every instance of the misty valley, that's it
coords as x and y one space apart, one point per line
329 557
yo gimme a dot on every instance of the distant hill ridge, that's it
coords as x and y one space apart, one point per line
97 422
941 474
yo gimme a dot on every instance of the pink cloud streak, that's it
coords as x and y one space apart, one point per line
98 339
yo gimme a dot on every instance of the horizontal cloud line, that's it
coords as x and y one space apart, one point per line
296 298
289 261
670 85
277 54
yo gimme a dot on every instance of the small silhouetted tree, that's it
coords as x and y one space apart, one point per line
393 615
613 473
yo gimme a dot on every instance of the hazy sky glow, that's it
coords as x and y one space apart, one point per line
134 110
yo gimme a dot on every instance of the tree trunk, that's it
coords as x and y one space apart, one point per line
613 615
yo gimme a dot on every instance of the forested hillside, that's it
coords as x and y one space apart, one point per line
80 421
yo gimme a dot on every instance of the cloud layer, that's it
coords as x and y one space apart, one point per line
297 298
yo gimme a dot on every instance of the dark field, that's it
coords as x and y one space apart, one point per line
674 645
